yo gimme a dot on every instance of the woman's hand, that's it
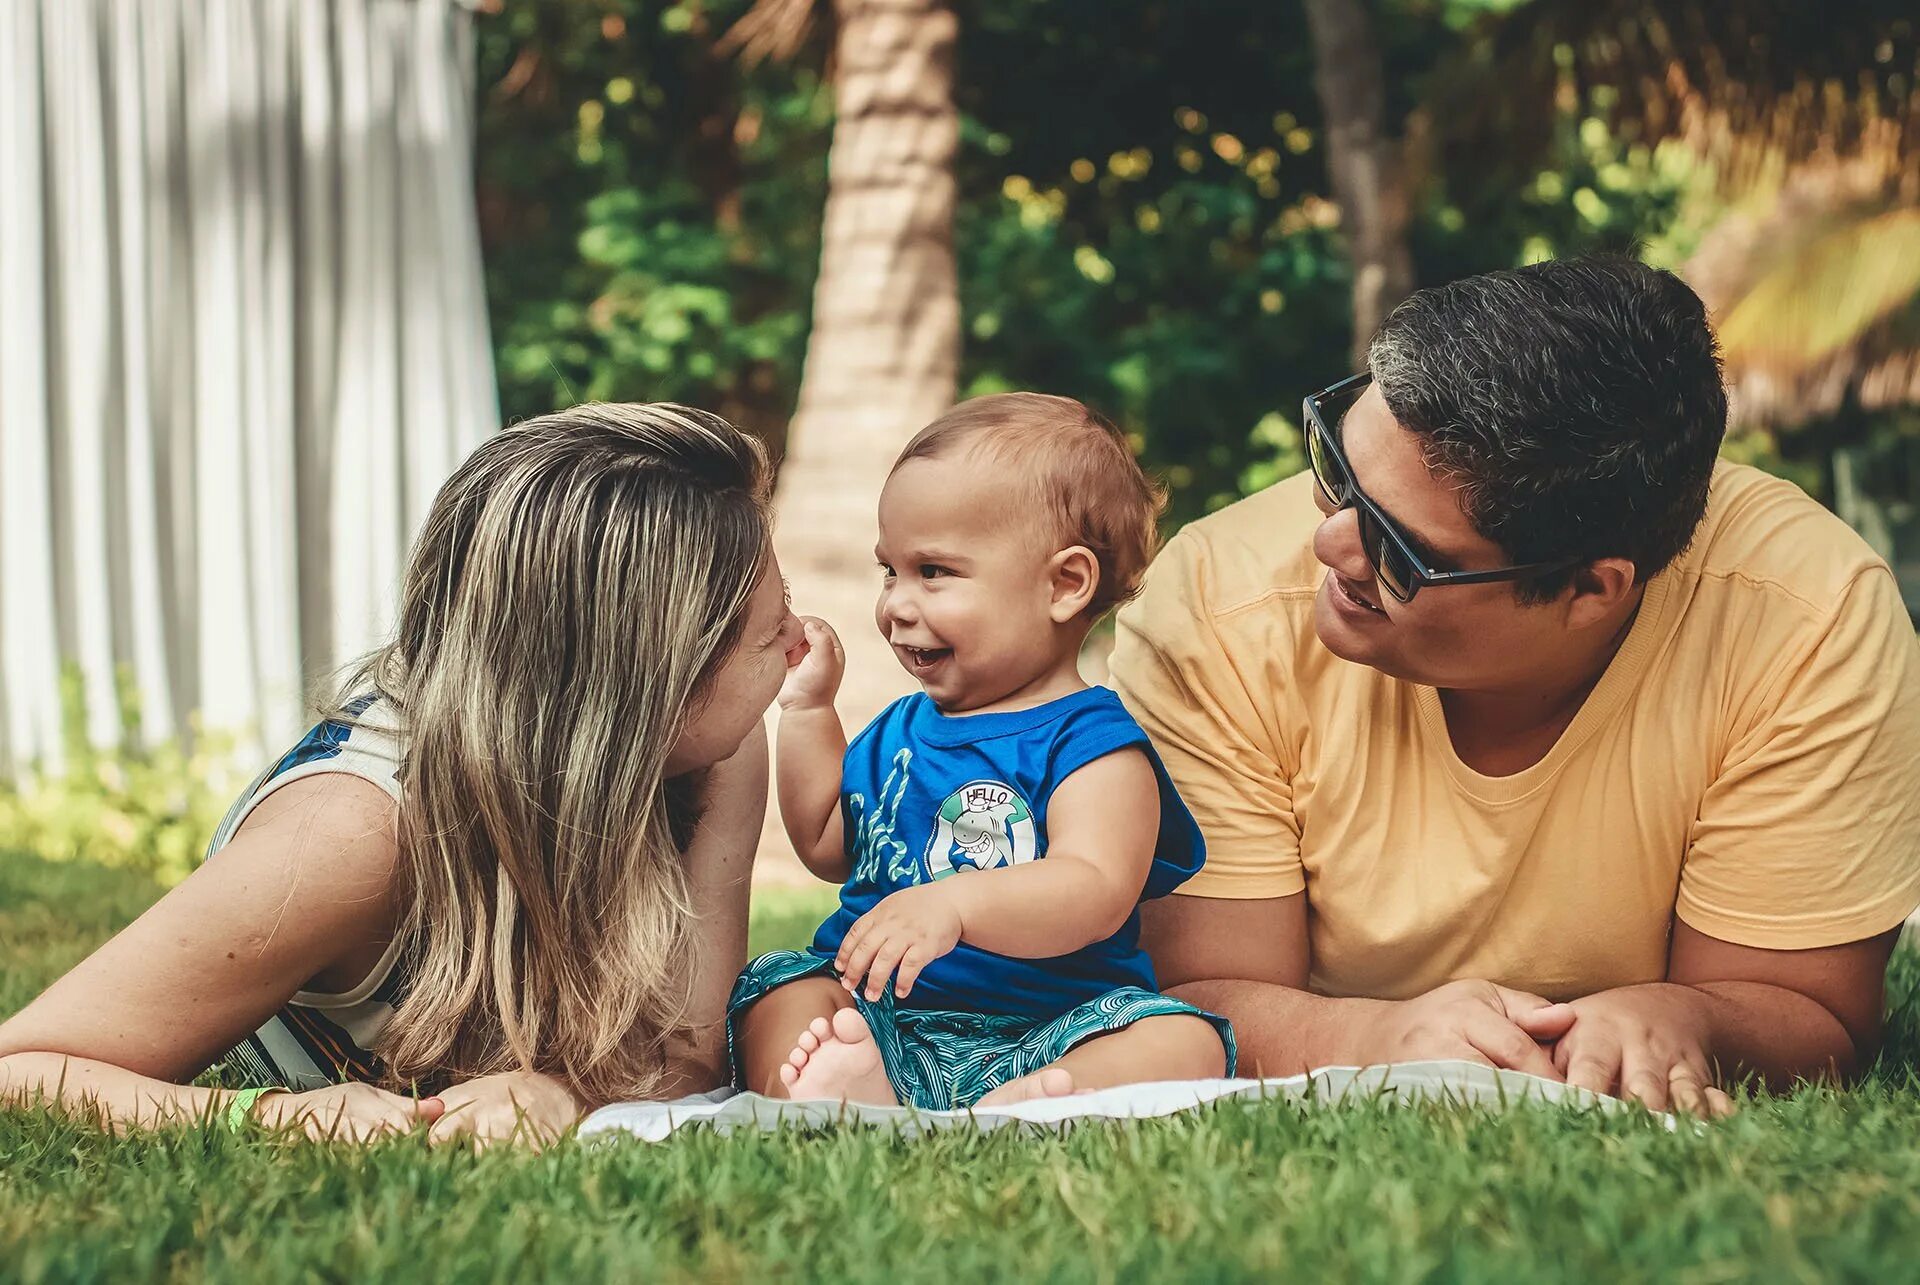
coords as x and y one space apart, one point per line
908 930
344 1112
814 667
515 1106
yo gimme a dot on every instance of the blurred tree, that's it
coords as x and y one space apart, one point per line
884 352
1364 162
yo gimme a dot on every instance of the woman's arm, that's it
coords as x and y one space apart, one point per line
305 883
720 865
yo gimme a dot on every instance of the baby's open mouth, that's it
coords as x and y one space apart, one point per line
927 657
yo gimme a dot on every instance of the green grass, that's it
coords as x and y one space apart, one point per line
1818 1185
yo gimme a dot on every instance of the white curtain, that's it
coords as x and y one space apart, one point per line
242 341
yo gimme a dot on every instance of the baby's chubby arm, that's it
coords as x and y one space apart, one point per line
810 746
1103 823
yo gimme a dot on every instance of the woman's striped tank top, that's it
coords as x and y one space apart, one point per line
319 1038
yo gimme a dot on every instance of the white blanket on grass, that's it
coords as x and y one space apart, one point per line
1461 1083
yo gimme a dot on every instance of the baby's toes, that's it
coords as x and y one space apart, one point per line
788 1074
820 1029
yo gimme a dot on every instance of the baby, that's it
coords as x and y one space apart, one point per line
995 833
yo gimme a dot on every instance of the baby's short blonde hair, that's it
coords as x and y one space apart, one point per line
1083 480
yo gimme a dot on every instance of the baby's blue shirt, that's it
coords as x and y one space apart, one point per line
925 796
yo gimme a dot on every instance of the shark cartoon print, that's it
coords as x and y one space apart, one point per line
983 825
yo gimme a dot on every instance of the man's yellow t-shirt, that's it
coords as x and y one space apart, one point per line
1749 761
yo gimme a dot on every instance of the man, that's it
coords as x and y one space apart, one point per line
1523 731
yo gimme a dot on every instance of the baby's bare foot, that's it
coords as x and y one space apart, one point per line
838 1061
1047 1082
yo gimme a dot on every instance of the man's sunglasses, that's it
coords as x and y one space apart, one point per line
1402 571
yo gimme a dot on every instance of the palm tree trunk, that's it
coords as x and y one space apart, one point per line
885 348
1365 164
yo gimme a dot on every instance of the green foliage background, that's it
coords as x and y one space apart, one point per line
150 809
1143 223
1143 218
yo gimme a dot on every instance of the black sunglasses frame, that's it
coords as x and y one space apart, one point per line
1371 514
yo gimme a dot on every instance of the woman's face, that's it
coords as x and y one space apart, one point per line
745 682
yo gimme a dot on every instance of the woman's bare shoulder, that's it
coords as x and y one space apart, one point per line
332 832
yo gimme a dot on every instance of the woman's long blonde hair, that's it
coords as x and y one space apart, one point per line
576 583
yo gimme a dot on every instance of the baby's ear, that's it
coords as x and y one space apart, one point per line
1075 574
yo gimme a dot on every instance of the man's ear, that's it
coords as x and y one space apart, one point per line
1075 576
1598 589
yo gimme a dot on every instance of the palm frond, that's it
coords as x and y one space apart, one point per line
772 29
1828 289
1804 119
1755 86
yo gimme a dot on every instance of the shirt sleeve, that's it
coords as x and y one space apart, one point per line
1178 679
1810 834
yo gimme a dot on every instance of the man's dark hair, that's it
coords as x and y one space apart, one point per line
1579 404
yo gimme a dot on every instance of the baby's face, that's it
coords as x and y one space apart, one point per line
965 586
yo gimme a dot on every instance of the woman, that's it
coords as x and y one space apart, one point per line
510 870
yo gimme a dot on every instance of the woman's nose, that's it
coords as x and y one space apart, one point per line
1336 543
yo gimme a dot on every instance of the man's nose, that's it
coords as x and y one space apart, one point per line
1336 542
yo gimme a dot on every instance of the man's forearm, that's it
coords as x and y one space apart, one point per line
1777 1034
1282 1031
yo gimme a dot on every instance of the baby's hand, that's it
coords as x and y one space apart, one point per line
908 930
814 667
